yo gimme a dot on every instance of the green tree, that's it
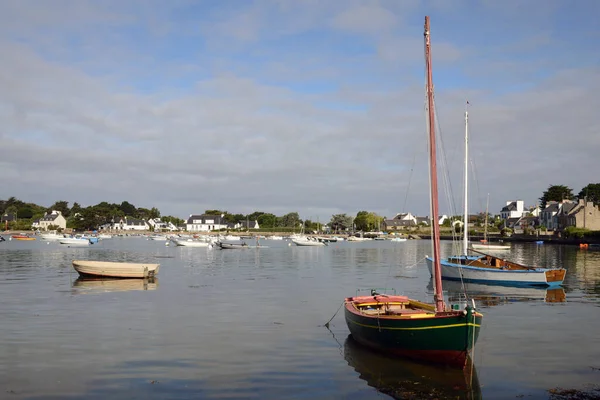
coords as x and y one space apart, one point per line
290 220
25 212
154 213
62 206
340 222
128 209
266 220
591 192
556 193
361 221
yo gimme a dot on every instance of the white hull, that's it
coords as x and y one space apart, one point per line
158 238
535 276
115 269
75 242
51 237
190 243
399 240
489 247
305 242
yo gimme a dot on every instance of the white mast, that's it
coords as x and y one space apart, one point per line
466 202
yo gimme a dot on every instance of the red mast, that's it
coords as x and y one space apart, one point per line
439 297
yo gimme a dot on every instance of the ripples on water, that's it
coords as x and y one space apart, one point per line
249 324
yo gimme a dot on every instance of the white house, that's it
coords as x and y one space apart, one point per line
513 209
406 217
55 218
131 224
205 223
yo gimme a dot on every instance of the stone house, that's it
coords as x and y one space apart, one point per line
55 218
583 214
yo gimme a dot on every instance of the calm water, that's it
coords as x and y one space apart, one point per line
249 324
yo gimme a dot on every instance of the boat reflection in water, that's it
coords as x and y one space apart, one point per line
91 286
405 379
487 295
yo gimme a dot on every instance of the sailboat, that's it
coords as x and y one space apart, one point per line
488 268
400 326
485 245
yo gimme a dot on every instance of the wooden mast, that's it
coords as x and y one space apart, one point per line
439 297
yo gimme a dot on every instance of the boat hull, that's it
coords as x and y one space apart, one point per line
232 246
115 269
311 243
530 277
490 247
441 339
190 243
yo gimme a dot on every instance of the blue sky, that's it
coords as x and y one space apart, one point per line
283 106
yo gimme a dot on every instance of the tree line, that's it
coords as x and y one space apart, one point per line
91 217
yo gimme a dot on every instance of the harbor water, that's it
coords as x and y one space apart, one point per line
250 324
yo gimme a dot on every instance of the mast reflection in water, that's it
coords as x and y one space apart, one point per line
406 379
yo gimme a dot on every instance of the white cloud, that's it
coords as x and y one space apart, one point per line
278 122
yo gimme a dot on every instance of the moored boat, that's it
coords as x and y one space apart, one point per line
404 327
231 246
307 241
87 268
489 268
190 242
22 237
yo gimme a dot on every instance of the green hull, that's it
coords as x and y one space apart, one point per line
444 339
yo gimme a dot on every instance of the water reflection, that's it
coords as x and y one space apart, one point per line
488 295
402 379
95 286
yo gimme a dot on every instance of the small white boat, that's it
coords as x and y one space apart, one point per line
51 236
490 247
307 241
77 241
104 236
87 268
397 239
275 237
190 242
161 238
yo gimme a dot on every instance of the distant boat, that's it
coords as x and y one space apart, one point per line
78 241
190 242
231 246
87 268
307 241
397 239
22 237
484 244
51 236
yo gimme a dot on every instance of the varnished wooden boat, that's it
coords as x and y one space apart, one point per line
88 268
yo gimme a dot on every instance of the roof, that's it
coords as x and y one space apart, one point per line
8 217
510 207
203 218
551 208
399 222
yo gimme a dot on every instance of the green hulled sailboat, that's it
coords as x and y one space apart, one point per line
410 328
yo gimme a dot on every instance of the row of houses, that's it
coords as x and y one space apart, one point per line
556 216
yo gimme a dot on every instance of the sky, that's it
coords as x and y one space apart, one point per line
280 106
